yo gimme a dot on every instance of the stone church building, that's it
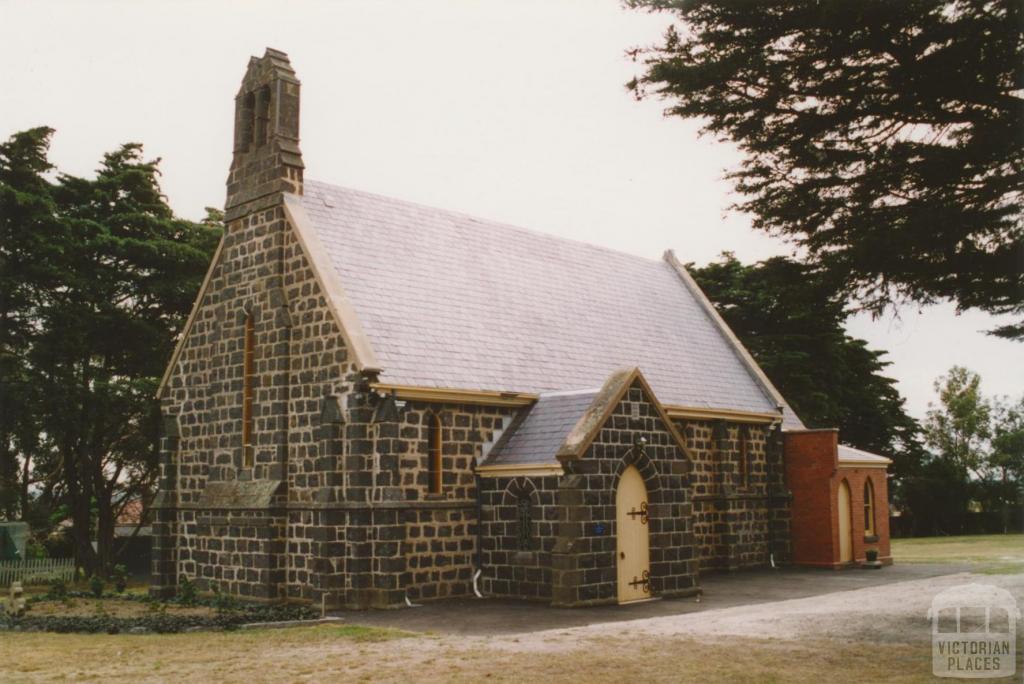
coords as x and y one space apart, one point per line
375 402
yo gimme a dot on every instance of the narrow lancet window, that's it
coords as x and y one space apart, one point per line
248 375
435 448
869 509
525 524
744 457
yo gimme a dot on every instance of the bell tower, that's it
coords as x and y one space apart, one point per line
267 159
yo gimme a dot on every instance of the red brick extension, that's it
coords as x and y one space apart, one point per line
813 474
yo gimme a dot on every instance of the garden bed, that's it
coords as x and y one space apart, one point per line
138 614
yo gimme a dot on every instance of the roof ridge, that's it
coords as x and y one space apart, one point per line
859 450
493 222
566 393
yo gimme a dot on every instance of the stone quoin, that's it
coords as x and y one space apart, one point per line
375 402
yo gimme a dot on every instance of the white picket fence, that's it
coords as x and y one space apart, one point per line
36 570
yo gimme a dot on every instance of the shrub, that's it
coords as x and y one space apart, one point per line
58 589
96 585
223 602
35 549
120 578
186 592
158 620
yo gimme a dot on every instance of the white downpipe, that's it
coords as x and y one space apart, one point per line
476 591
410 603
771 559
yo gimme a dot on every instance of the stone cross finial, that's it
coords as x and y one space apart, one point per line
267 159
16 603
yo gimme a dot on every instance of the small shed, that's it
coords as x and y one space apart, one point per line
13 540
840 503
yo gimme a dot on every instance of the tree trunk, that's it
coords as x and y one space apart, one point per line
81 518
1004 495
80 492
26 473
104 532
8 482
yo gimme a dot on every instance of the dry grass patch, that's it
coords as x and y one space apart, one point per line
352 653
357 633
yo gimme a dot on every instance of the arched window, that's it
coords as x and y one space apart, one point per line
435 447
744 457
523 514
248 375
869 509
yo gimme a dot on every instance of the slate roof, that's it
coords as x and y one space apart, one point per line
451 301
848 454
538 433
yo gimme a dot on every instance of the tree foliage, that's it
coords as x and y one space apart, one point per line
101 277
977 449
1008 439
885 138
958 428
28 269
790 316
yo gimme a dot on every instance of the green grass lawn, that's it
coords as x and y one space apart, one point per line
993 553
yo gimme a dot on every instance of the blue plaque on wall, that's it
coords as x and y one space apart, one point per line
599 529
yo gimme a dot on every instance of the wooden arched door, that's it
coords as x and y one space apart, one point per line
633 553
845 524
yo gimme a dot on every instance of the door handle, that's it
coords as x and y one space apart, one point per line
622 554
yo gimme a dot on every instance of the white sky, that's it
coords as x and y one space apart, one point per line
514 111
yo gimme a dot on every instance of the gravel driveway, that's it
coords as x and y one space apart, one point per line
889 606
890 613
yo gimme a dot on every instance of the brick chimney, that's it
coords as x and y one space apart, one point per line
267 160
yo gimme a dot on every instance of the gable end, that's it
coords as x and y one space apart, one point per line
594 418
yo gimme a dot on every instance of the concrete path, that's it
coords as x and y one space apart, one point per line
488 617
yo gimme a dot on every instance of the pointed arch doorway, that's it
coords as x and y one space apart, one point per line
633 553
